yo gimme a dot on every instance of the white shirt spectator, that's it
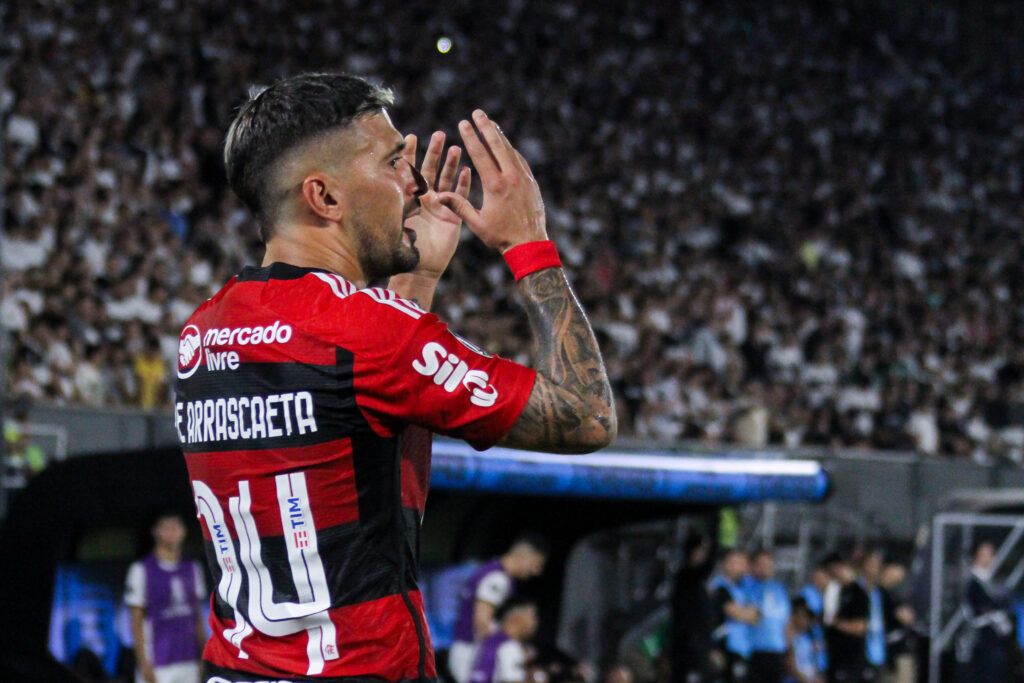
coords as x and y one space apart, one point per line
859 398
924 428
23 131
90 387
22 254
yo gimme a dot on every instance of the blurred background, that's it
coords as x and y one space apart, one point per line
796 228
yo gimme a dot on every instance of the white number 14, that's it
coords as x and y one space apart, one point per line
275 619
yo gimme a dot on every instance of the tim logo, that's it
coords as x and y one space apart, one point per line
190 351
449 372
301 539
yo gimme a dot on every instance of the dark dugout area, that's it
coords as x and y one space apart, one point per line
75 498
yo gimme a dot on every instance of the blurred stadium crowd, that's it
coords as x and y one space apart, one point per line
791 223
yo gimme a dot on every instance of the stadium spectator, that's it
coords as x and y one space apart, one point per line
484 593
837 219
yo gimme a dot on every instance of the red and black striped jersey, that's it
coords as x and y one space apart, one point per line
304 407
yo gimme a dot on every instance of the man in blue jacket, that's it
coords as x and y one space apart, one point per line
735 616
768 635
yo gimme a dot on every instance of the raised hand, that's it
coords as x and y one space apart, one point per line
437 227
513 211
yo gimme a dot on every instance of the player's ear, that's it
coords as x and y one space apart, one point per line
322 197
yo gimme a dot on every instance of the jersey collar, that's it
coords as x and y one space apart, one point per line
276 271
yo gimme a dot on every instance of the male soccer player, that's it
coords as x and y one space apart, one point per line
164 592
485 591
306 395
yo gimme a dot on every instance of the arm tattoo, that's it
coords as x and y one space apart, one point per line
571 404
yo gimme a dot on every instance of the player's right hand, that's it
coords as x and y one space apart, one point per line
512 212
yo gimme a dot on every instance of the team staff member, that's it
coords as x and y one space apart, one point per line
164 592
875 641
803 658
987 638
736 616
768 636
485 591
846 612
306 396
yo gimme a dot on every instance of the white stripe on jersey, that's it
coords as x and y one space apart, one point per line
389 298
346 286
338 285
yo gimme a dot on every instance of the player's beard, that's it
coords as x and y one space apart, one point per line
381 258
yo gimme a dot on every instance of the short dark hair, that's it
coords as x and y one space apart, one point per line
735 550
799 604
283 116
159 515
535 540
513 603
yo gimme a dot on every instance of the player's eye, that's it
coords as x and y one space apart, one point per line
394 162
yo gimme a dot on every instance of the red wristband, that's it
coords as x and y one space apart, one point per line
528 258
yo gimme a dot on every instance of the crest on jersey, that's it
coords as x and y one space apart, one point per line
190 351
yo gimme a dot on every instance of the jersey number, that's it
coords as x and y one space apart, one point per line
276 619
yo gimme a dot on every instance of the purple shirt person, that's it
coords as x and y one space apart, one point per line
164 593
485 591
501 657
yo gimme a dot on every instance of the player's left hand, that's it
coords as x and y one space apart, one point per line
437 227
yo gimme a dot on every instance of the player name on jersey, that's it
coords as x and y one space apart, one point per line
245 417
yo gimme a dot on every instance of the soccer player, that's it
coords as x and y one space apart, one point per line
485 591
306 395
164 592
501 657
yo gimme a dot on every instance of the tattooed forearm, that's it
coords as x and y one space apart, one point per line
571 408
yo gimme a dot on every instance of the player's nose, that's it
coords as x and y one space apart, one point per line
419 182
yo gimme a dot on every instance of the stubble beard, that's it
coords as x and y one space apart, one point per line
380 260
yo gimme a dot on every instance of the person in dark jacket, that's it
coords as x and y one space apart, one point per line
983 646
692 614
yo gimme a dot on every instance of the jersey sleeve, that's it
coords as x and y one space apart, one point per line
408 367
135 586
494 588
